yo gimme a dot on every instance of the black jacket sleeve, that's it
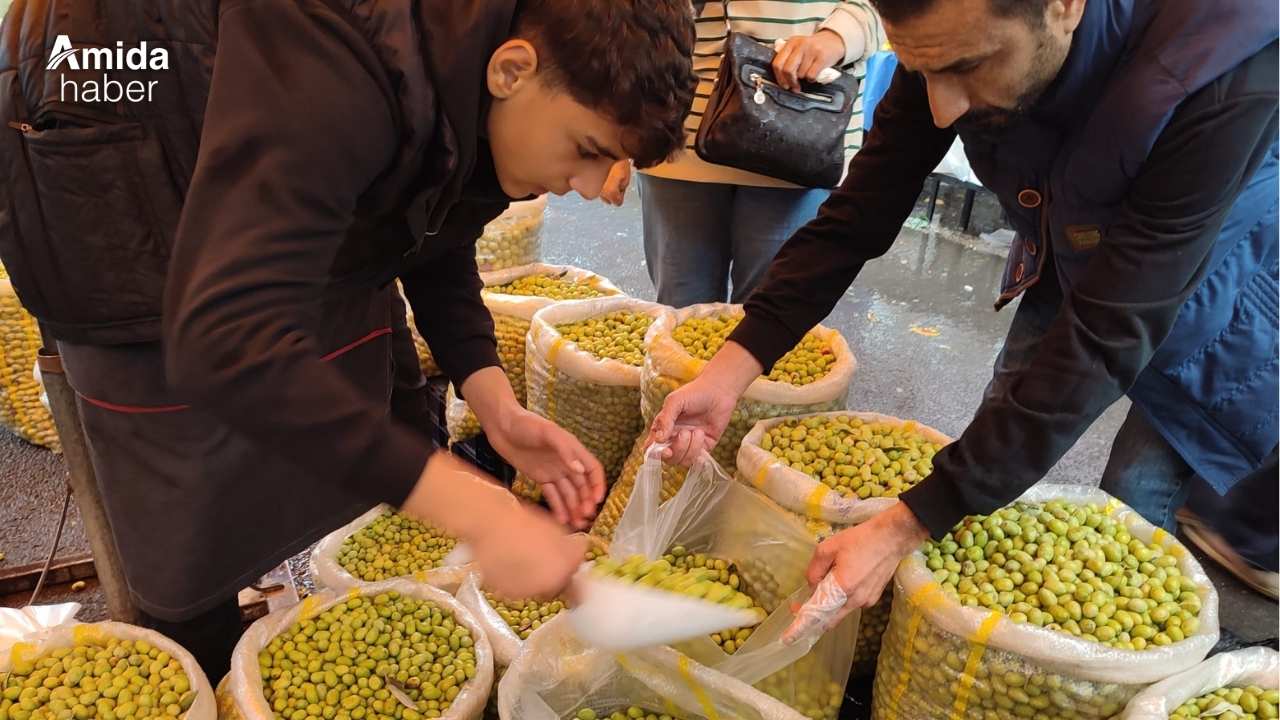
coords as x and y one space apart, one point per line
1122 308
295 130
858 222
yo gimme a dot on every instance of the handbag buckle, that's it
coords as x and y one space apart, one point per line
759 80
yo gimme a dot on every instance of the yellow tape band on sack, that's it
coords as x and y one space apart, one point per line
979 643
353 593
1112 506
699 693
930 593
813 504
21 652
554 351
909 426
308 608
89 635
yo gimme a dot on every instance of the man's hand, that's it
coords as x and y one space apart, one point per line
694 417
571 478
615 186
863 559
802 58
521 552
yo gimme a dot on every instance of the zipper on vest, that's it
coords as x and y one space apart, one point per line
21 127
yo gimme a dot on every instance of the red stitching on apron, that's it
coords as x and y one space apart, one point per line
149 410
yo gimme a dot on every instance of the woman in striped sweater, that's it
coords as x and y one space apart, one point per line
706 225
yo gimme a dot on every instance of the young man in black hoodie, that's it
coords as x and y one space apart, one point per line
215 260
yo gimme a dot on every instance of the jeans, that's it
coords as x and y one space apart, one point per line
1143 470
699 237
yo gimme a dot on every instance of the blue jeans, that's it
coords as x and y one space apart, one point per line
698 237
1143 470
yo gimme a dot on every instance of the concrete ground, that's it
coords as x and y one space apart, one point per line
919 321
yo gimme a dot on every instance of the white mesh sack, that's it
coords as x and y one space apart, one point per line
1258 667
514 238
349 556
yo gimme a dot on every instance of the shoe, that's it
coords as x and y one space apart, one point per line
1216 547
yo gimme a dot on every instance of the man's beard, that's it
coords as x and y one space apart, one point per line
993 120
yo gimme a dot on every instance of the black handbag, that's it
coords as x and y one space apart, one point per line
753 124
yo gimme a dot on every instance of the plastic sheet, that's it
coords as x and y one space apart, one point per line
514 238
241 696
668 366
557 676
598 400
943 660
620 494
1252 666
329 573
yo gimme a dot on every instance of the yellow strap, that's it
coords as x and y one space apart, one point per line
927 596
353 593
763 475
979 647
88 635
813 504
909 426
555 349
21 651
700 694
308 608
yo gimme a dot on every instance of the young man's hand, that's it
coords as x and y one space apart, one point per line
615 186
694 417
521 551
802 58
571 478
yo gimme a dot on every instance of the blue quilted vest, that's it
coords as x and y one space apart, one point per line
1062 176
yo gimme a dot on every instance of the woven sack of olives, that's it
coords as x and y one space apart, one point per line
428 362
383 544
615 503
21 408
1242 685
582 371
52 667
769 548
813 377
1032 612
841 468
505 622
559 678
393 649
513 296
514 238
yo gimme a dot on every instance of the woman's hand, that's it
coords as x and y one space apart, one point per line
803 57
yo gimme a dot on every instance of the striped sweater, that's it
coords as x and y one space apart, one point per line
768 20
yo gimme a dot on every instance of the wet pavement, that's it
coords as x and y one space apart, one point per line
919 321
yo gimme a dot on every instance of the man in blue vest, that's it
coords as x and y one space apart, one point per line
1132 144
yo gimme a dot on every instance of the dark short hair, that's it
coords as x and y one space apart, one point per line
899 10
629 60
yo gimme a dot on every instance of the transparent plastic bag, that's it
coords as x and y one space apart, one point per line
1252 666
598 400
21 409
241 696
803 494
620 493
511 317
328 572
428 362
27 634
667 366
514 238
557 676
771 549
460 422
941 659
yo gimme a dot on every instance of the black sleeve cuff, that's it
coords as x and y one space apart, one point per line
461 360
393 467
767 340
937 503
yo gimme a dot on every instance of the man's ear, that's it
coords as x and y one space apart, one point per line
512 65
1064 16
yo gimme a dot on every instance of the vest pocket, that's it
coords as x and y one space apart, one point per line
93 210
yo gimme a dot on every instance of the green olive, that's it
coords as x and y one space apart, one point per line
614 336
509 241
20 407
1243 703
555 287
524 616
393 545
631 713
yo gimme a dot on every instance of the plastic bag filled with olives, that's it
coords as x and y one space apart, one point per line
513 296
513 238
813 377
97 671
1032 611
430 367
841 469
394 649
582 371
21 409
1241 684
769 548
558 678
383 544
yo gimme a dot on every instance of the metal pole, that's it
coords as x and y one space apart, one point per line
84 486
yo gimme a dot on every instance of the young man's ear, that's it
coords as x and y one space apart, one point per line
514 63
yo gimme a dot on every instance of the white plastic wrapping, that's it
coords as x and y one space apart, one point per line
511 317
504 641
1252 666
514 238
620 494
598 400
243 698
940 658
27 634
558 675
667 366
771 548
461 423
328 573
